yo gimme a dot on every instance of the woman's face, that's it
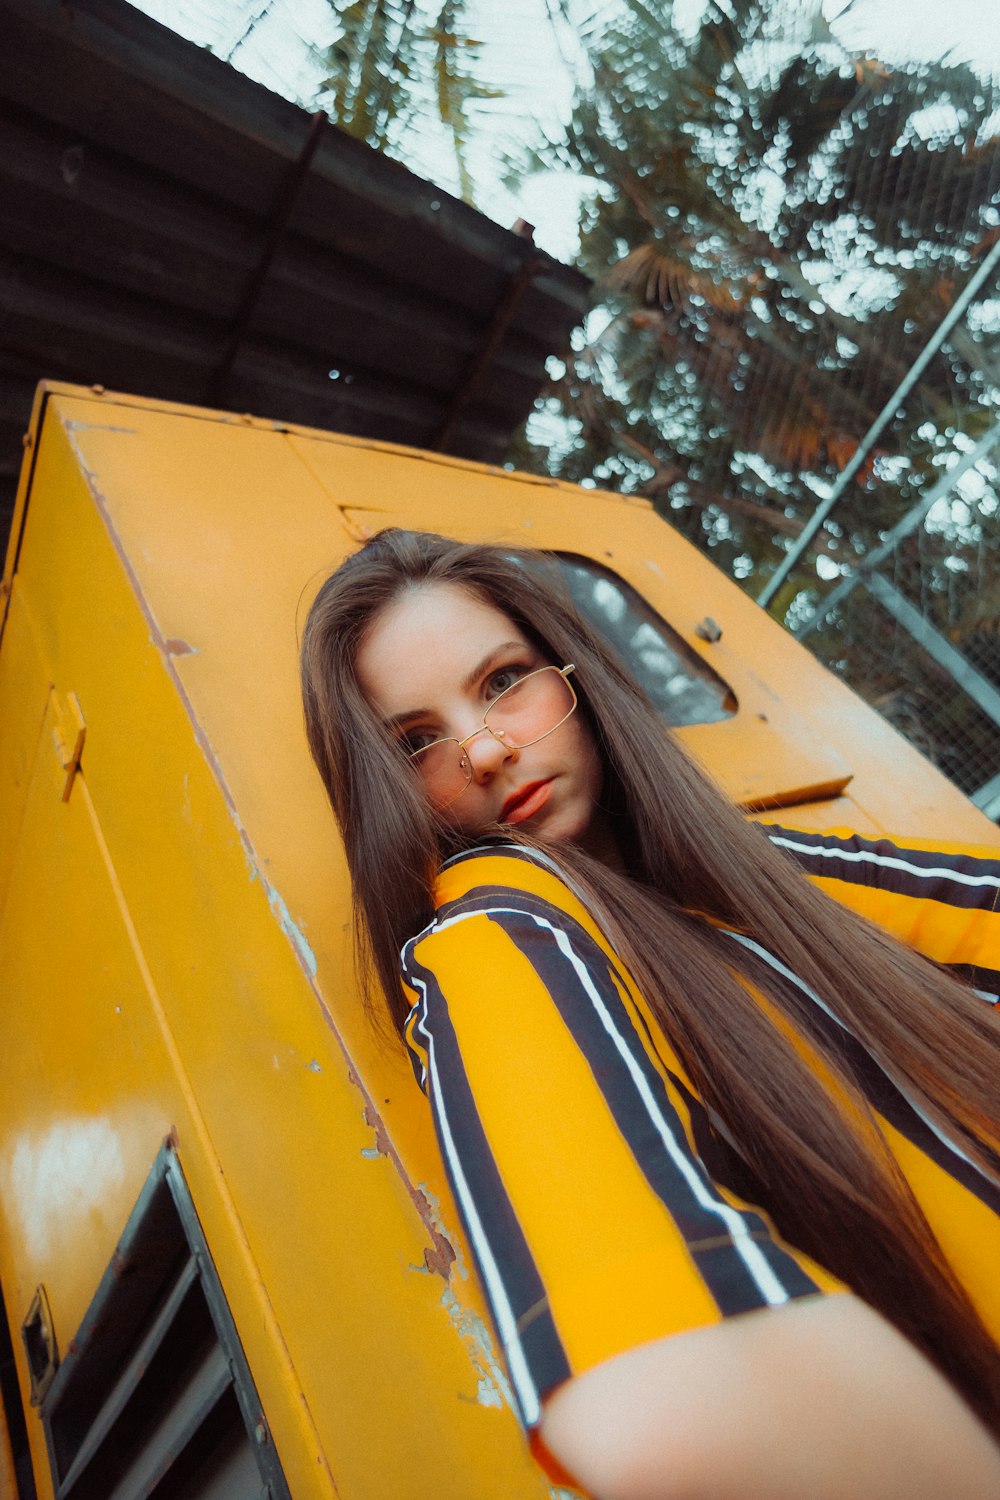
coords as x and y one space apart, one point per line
430 666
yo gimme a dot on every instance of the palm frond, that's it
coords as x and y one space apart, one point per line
665 280
456 83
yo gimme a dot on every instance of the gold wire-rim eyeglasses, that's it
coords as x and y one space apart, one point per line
463 763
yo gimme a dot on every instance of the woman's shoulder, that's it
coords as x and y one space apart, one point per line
497 877
494 866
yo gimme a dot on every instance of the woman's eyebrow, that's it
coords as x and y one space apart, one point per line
396 721
493 655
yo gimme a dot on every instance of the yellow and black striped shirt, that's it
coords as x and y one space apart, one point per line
573 1138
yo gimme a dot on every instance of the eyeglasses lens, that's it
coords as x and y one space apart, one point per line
531 708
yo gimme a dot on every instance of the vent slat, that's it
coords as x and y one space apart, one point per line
124 1388
177 1430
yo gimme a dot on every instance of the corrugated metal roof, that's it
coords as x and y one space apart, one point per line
172 228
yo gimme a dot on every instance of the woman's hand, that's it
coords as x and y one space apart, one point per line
821 1399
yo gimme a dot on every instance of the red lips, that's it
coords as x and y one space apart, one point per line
526 802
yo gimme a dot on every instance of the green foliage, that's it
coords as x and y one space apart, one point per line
456 84
777 230
397 61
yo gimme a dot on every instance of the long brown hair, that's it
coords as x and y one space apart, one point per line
814 1155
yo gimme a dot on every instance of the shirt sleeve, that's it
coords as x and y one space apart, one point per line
569 1138
942 900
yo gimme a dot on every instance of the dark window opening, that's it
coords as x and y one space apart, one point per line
681 687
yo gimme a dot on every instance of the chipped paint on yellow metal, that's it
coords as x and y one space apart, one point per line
175 947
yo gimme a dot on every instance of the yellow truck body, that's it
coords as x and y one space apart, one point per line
176 944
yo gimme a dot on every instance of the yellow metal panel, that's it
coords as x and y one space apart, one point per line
24 694
84 1112
98 1079
346 1274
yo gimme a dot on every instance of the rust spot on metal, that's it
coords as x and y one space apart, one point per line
176 647
439 1257
373 1121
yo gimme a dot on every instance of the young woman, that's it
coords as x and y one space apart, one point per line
725 1151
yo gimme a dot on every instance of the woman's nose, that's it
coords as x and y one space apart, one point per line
487 751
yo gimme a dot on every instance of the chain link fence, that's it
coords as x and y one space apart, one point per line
923 693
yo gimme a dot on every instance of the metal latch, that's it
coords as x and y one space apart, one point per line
69 734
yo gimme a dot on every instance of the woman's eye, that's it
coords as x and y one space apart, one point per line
503 678
416 739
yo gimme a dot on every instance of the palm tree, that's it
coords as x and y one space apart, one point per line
398 60
778 229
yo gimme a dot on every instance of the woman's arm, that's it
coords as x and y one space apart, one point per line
573 1146
941 899
819 1400
666 1341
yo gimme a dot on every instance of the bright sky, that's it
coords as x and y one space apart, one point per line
535 67
969 29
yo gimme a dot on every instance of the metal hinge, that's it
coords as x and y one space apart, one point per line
69 734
